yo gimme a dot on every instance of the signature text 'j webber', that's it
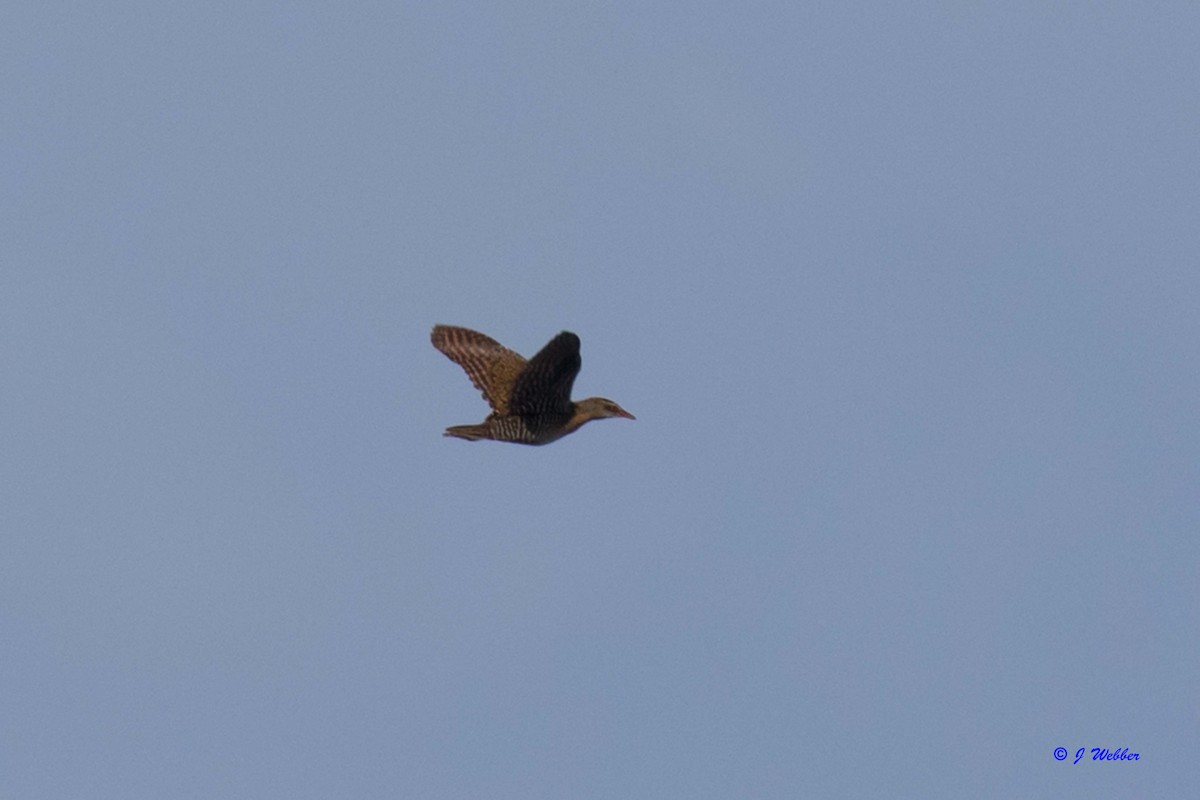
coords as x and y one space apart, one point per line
1098 754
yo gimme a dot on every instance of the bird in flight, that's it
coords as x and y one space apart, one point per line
531 400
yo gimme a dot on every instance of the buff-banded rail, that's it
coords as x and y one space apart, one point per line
530 399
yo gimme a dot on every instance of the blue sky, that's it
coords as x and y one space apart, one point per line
903 297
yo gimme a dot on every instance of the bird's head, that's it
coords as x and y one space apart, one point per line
600 408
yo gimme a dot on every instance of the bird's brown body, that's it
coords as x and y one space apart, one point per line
531 400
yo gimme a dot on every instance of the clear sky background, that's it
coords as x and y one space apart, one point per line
904 297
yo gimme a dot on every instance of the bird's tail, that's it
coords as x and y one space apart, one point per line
471 433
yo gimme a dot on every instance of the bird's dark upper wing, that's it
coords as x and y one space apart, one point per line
544 386
491 366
